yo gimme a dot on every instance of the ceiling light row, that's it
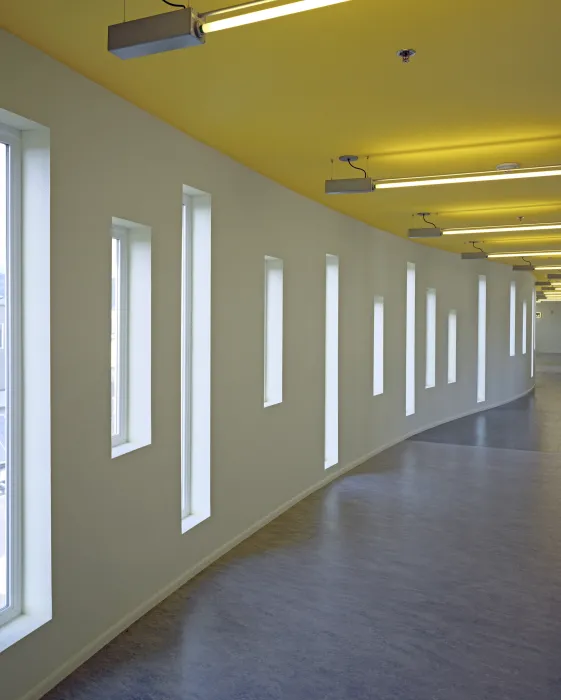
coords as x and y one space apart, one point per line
183 28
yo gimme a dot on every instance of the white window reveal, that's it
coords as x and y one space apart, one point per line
11 497
452 346
273 330
195 363
512 319
410 342
481 338
131 334
378 359
331 360
524 327
430 370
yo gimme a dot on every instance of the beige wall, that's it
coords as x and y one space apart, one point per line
117 538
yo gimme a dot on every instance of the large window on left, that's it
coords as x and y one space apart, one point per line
10 378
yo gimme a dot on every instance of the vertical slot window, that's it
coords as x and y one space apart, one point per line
481 338
512 319
430 368
331 452
378 358
195 359
452 346
410 342
119 336
273 330
11 583
524 327
533 344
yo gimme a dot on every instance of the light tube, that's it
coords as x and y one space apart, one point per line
549 267
531 254
270 13
500 229
468 177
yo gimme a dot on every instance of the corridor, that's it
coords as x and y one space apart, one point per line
432 572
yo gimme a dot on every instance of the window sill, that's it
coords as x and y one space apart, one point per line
19 628
125 448
191 521
267 404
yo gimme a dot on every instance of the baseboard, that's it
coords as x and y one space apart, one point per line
89 650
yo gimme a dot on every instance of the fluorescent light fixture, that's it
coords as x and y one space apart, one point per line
549 267
523 268
554 276
431 232
349 185
475 255
270 13
490 176
500 229
530 254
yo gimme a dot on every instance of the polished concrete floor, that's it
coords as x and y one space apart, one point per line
432 572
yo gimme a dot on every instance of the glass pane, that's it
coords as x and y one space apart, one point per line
4 482
115 323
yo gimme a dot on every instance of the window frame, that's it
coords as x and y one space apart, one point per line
378 347
120 234
452 346
430 339
273 352
14 361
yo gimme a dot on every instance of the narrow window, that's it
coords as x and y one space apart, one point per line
273 330
331 361
512 319
524 327
131 337
378 369
452 346
10 379
481 337
533 346
119 336
2 345
430 373
195 362
410 342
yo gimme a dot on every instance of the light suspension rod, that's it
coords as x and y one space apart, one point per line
261 15
501 229
489 176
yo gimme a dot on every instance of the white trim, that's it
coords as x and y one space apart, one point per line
13 345
120 234
114 630
196 359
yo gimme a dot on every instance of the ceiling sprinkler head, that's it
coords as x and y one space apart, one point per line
406 54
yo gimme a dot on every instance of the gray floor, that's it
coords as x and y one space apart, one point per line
433 572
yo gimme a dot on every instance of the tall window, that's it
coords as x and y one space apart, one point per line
195 352
512 319
331 360
378 359
481 338
533 345
273 330
410 342
10 378
119 336
452 346
430 373
524 327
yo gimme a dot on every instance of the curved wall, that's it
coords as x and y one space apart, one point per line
117 542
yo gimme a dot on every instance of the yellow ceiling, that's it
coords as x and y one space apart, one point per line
286 96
